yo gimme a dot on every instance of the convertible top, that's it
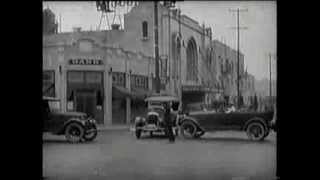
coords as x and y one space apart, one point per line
162 98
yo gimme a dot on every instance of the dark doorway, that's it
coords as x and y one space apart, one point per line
86 102
85 93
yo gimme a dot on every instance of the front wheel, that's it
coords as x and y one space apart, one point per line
188 129
91 133
256 131
74 132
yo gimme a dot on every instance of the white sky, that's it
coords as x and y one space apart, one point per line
256 42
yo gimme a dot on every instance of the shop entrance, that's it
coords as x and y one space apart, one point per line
86 101
85 93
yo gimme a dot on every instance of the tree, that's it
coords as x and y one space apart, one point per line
49 22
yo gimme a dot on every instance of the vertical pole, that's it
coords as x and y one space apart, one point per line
156 46
60 23
270 90
238 59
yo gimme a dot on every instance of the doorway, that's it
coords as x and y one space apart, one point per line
85 93
86 101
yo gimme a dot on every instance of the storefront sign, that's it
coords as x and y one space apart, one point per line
85 61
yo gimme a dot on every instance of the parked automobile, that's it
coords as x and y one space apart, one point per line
257 125
76 126
153 121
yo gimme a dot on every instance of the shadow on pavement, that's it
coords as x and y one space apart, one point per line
230 139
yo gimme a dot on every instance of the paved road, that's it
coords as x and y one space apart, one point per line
119 155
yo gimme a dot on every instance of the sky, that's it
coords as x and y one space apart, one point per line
256 42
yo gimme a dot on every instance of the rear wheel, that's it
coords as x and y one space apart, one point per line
256 131
74 132
188 129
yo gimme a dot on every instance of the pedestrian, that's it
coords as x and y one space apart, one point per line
168 121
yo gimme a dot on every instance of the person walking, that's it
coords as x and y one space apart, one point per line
168 121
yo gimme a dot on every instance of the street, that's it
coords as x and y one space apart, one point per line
117 154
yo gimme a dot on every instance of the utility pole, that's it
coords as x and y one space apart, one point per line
238 50
156 46
270 90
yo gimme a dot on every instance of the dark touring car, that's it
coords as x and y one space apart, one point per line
257 125
76 126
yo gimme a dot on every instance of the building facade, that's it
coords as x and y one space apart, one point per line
108 73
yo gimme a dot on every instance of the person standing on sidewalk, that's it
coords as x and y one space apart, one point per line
168 121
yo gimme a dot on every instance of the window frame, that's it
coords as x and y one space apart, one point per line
53 81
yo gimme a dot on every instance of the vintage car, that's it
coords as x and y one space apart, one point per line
257 125
153 122
76 126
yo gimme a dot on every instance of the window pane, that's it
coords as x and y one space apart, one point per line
75 76
93 77
48 86
144 29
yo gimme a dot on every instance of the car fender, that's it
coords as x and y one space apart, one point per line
193 120
139 121
255 119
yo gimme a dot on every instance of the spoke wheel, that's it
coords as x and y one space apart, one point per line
256 131
74 132
188 129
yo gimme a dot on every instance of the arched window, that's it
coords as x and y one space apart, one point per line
192 60
176 54
145 29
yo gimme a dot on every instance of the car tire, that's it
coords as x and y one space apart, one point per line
74 132
92 135
151 134
256 131
138 133
200 134
188 129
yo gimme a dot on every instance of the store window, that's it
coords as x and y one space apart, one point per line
48 86
76 77
93 77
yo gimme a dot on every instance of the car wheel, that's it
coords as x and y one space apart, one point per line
92 134
74 132
256 131
138 133
201 133
188 129
151 134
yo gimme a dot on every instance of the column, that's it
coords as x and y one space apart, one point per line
108 96
128 99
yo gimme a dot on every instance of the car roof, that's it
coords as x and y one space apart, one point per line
50 98
162 98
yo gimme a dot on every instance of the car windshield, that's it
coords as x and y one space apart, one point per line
54 106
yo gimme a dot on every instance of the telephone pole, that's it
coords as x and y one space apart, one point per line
270 84
156 46
238 50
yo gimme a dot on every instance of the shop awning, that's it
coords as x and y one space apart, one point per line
120 92
141 94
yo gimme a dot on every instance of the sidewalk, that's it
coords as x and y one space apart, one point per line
127 127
